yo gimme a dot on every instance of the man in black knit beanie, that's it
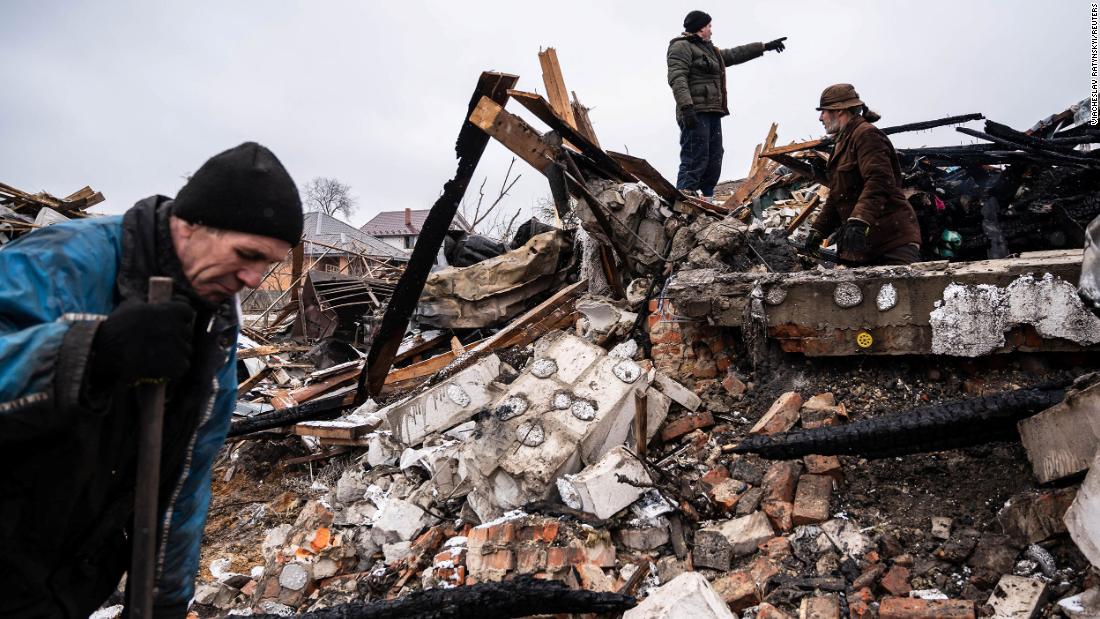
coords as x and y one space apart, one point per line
76 334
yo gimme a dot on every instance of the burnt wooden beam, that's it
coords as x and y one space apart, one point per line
468 148
641 169
548 114
932 124
1037 153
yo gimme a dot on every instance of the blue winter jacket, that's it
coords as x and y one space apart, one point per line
65 457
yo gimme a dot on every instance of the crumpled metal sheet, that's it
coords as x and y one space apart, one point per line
494 290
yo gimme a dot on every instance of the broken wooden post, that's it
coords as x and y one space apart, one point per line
469 147
641 423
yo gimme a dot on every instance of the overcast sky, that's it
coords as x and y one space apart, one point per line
130 96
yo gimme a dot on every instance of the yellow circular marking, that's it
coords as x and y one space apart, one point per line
864 339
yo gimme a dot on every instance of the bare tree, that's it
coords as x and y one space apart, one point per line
329 196
480 215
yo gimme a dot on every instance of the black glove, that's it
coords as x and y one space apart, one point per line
853 237
776 45
144 341
813 241
688 113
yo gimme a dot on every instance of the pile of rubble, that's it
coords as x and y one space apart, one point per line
22 212
593 406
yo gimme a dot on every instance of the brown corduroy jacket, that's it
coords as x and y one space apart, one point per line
865 184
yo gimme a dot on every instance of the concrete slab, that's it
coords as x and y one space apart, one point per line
1062 440
688 596
598 489
1016 597
445 405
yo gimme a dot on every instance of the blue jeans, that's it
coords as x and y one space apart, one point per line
701 154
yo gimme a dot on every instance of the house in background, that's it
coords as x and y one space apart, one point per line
329 244
401 228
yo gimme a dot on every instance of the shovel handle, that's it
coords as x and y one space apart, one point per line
150 430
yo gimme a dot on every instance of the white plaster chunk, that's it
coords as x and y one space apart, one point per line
972 320
398 521
688 596
847 538
598 488
887 297
1016 597
544 368
847 294
1084 605
745 533
1083 516
624 350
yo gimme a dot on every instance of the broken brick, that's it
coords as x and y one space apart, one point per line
777 548
819 607
782 415
780 481
896 581
683 425
916 608
593 578
779 512
737 589
767 611
733 385
727 493
824 465
811 501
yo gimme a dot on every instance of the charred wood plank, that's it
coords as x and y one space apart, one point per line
649 175
951 425
1038 153
542 110
521 597
468 148
932 124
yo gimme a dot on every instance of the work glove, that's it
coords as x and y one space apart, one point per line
853 237
688 114
813 241
144 341
776 45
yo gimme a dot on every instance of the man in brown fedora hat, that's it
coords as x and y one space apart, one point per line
697 75
877 225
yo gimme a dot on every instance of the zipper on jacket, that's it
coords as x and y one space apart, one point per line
167 522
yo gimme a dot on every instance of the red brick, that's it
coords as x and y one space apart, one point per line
561 557
668 350
601 553
767 611
780 481
737 589
896 581
681 426
733 385
762 569
916 608
663 336
811 501
824 465
492 565
777 548
779 513
594 579
714 476
723 362
249 588
726 494
819 607
530 559
705 368
869 576
542 531
503 533
782 415
859 604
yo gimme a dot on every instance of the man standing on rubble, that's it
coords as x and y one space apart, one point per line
877 224
76 334
697 75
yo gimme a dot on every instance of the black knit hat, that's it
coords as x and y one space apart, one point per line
696 21
244 189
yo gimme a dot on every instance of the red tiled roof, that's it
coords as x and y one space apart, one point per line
392 223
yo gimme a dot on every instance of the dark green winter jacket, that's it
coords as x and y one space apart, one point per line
697 71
